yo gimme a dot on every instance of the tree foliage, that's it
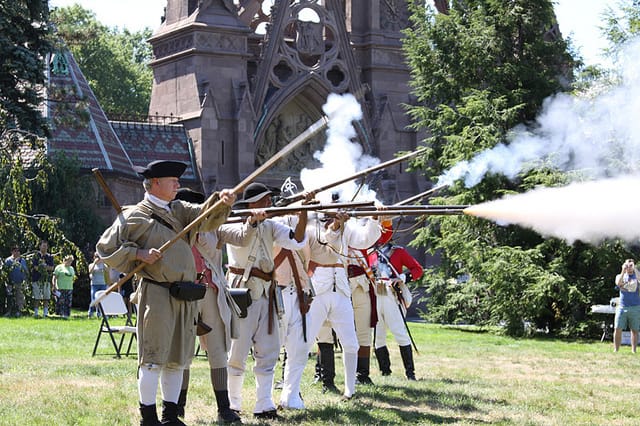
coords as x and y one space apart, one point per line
25 170
114 61
478 72
24 45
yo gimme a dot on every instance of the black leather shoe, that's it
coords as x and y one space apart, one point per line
364 380
330 389
229 416
270 415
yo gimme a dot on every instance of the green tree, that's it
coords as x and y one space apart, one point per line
621 27
114 62
69 196
24 45
477 72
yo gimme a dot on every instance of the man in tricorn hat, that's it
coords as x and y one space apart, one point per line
252 267
166 326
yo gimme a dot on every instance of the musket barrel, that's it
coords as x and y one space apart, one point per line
297 197
394 208
274 211
406 212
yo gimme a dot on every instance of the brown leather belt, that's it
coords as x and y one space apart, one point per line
266 276
331 265
255 272
161 284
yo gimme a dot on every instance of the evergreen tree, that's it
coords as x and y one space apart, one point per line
477 72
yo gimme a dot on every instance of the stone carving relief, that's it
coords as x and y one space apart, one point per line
309 38
173 46
394 15
208 41
282 130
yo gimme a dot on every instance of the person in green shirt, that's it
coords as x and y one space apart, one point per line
63 277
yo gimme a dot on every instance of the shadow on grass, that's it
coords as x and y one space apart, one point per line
396 405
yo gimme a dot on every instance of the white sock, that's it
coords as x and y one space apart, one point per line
148 384
170 383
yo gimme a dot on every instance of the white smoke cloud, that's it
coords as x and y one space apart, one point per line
571 133
340 157
588 211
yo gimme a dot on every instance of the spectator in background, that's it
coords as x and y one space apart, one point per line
17 271
63 277
100 279
628 310
42 265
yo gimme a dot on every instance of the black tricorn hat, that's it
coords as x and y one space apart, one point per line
254 192
160 168
190 196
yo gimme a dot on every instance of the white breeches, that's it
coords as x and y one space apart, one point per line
389 317
296 348
253 332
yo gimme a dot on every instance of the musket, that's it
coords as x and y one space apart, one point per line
303 137
428 207
421 195
401 302
284 201
276 211
107 191
403 212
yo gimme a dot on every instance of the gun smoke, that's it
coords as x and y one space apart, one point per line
340 157
586 211
582 134
595 136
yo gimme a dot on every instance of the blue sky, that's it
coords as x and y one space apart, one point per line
578 19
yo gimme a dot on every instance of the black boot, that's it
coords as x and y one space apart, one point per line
182 402
327 367
407 359
225 413
362 371
170 414
149 415
362 368
382 355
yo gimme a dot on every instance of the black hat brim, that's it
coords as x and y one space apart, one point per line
160 169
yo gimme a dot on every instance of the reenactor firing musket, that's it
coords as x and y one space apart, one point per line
285 201
299 140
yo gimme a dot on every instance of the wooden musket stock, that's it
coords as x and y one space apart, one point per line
107 191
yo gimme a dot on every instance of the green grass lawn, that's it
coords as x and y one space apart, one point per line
48 377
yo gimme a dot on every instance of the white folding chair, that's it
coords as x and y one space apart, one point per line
111 307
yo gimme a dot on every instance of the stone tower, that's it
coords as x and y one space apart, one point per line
247 76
